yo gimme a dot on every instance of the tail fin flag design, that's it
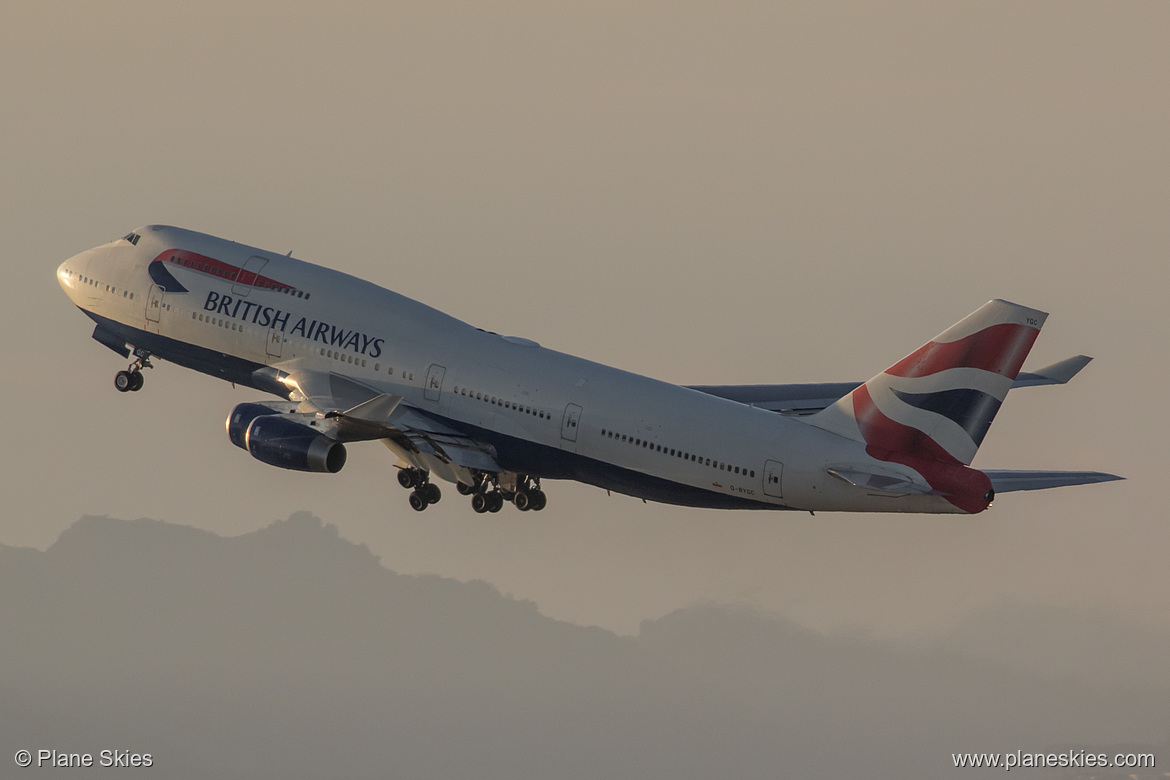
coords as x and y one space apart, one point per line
938 402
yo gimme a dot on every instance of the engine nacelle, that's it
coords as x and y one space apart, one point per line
242 416
279 441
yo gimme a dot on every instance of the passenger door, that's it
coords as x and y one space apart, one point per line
275 345
569 423
434 386
154 305
774 478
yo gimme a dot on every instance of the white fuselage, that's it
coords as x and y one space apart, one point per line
545 413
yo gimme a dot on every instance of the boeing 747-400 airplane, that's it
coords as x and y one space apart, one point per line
499 415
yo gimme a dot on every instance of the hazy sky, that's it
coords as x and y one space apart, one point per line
702 192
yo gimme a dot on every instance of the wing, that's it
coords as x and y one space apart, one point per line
351 410
811 398
786 399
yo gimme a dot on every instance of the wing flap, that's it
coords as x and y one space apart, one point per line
440 440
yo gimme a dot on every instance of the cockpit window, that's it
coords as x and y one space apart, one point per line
132 238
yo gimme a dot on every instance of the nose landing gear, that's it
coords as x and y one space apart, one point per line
128 381
131 380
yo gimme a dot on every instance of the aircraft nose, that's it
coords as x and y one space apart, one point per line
65 277
69 273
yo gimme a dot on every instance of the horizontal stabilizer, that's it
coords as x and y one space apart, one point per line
804 399
1055 374
1007 481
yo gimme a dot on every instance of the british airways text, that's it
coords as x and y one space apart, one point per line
313 330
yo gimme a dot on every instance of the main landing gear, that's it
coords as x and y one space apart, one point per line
424 493
487 502
491 493
488 494
131 380
531 498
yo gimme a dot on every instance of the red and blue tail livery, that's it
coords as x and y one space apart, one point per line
345 361
930 411
939 401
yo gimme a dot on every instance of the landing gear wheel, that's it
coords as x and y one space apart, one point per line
131 380
522 500
496 502
464 490
537 500
408 478
479 503
431 492
417 502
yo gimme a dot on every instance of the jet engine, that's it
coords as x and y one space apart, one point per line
277 440
243 415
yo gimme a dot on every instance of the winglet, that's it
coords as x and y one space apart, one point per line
1055 374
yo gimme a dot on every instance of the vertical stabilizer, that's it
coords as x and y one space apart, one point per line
938 402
